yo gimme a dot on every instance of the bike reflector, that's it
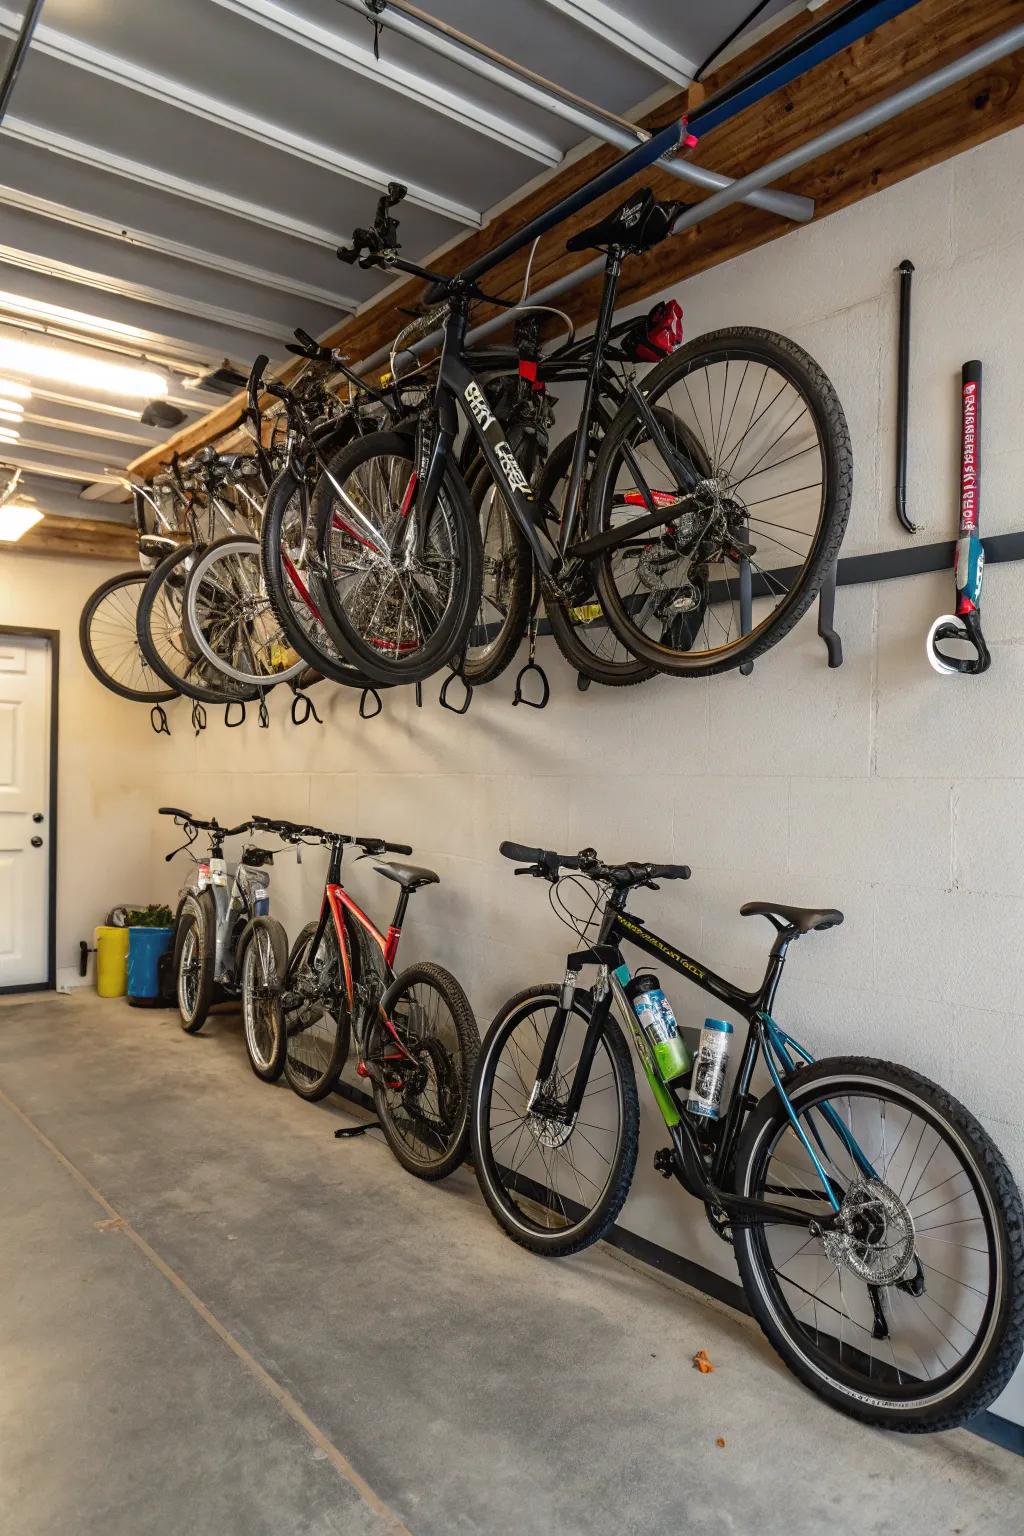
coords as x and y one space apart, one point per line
656 335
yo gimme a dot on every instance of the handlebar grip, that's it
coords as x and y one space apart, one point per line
520 853
670 872
173 810
397 848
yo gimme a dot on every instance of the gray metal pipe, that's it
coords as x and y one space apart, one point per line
439 38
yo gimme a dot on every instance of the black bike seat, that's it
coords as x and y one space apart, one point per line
409 876
803 919
637 224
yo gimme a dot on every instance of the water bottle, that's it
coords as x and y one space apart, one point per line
710 1069
658 1023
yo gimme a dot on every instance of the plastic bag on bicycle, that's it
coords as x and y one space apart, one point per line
655 335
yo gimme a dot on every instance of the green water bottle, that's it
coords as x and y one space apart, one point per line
658 1023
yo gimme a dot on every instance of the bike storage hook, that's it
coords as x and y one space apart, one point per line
456 675
158 720
532 665
969 566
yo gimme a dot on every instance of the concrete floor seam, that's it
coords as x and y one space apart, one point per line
279 1393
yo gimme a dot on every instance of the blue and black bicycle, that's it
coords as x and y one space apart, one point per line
878 1231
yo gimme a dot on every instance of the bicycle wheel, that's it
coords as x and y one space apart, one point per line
911 1315
555 1187
581 631
194 941
500 621
316 1016
397 616
165 643
108 635
420 1056
228 617
285 548
264 962
768 521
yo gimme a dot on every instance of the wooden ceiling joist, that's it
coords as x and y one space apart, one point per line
930 34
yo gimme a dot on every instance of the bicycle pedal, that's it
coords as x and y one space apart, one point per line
665 1162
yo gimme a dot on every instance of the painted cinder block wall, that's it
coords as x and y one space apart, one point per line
879 788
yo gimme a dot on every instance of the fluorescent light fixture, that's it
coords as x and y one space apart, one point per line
9 434
13 391
11 412
92 373
15 519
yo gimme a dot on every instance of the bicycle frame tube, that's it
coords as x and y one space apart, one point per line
700 1177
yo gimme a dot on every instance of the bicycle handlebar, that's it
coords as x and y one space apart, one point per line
545 863
296 831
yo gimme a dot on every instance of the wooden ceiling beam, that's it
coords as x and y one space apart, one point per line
911 46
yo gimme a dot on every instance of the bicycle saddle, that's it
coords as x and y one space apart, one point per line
409 876
803 919
637 224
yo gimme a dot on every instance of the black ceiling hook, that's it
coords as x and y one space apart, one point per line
532 665
228 707
302 708
376 9
263 713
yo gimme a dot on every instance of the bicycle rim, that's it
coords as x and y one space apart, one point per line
260 992
109 638
229 617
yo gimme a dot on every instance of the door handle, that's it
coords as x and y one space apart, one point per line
37 842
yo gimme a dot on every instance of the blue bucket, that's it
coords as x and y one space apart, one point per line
145 946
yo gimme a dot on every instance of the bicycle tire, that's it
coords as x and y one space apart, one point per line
237 545
309 1085
1004 1342
193 680
197 921
501 649
611 674
266 1059
155 695
457 1003
792 362
306 642
447 640
594 1226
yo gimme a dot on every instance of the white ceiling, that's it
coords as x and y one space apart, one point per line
176 174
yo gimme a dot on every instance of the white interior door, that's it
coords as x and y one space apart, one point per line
25 703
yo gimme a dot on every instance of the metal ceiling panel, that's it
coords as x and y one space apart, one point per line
94 111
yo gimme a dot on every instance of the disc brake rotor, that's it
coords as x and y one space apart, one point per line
875 1236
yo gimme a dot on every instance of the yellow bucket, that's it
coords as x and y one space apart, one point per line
111 962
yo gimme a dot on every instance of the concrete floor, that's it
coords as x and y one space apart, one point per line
216 1319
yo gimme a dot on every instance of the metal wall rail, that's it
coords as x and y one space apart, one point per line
409 21
833 138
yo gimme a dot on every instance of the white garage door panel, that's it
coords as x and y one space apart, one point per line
24 797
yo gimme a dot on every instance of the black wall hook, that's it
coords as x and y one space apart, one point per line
302 708
263 714
442 698
519 697
232 704
198 716
368 695
158 720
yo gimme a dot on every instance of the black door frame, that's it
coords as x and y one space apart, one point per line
52 636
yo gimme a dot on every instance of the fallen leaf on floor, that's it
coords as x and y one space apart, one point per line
702 1362
720 1442
112 1224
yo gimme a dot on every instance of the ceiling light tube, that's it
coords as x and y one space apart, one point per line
14 391
11 412
16 519
92 373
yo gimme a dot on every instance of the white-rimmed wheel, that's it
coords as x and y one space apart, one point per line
230 620
264 962
906 1309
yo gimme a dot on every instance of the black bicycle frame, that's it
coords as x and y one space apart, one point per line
698 1177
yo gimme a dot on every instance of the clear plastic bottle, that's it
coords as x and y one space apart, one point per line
709 1069
658 1022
